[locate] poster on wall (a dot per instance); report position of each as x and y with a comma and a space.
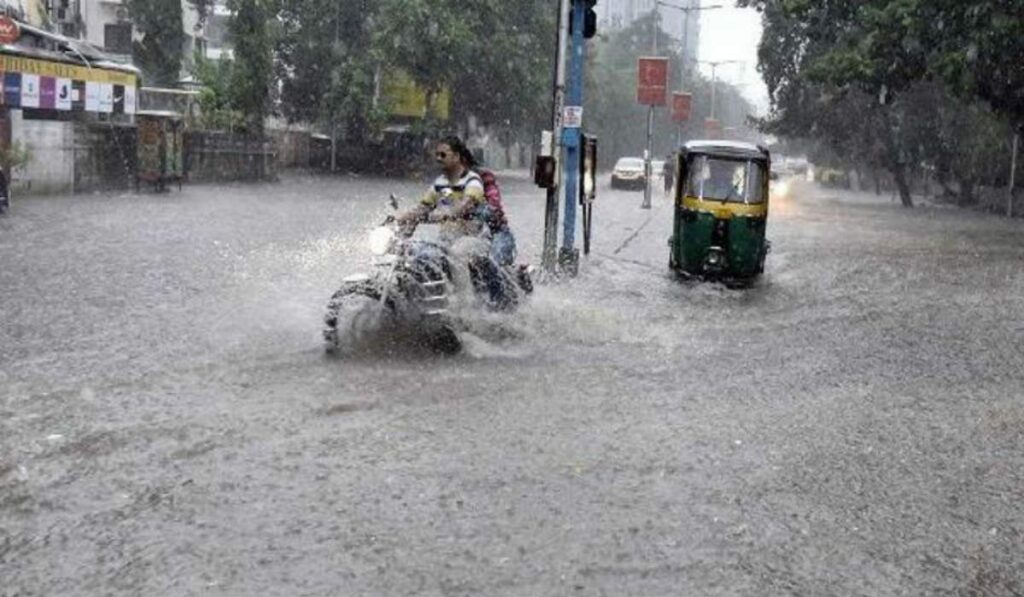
106, 98
47, 93
129, 100
63, 94
92, 96
78, 95
50, 84
29, 91
12, 89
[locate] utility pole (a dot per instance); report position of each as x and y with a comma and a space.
568, 256
1013, 175
577, 22
548, 255
714, 79
648, 171
684, 56
686, 29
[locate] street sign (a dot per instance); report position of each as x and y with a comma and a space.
572, 117
652, 81
9, 30
712, 128
681, 106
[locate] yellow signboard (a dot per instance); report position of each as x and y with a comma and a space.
404, 97
59, 70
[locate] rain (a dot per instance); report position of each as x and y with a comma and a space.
252, 342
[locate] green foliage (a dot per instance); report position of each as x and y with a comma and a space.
326, 66
897, 83
495, 57
976, 48
15, 157
158, 53
217, 99
252, 38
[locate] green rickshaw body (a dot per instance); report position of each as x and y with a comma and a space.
721, 210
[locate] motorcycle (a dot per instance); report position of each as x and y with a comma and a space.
419, 281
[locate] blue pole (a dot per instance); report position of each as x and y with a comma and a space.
571, 136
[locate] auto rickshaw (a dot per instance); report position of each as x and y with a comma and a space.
721, 208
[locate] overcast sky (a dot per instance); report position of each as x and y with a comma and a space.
733, 34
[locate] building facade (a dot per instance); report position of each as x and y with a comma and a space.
55, 91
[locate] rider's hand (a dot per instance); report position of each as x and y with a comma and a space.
439, 215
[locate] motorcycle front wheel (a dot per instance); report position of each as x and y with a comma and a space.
352, 318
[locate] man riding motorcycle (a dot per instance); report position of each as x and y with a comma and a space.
457, 201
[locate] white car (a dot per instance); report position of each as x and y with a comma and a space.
629, 172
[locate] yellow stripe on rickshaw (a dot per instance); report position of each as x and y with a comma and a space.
725, 209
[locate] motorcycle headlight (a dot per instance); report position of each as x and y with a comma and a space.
381, 239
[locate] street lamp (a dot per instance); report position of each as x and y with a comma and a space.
714, 80
686, 27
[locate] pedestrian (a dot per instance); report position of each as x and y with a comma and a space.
668, 172
5, 200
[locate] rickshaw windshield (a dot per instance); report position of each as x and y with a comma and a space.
724, 179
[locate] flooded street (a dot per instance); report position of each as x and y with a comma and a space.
169, 423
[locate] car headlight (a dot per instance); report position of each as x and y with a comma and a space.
381, 239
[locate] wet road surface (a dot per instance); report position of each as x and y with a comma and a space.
852, 425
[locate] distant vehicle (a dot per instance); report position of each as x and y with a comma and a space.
628, 173
780, 186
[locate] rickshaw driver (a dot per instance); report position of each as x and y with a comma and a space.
723, 180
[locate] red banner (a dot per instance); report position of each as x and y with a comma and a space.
681, 106
652, 81
712, 128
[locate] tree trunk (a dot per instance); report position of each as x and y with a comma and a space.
966, 196
899, 175
895, 163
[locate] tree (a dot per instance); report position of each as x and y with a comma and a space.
813, 55
508, 80
217, 98
976, 49
326, 65
159, 52
252, 74
495, 59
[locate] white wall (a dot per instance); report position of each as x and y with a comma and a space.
52, 166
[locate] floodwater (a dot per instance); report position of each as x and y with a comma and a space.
169, 424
